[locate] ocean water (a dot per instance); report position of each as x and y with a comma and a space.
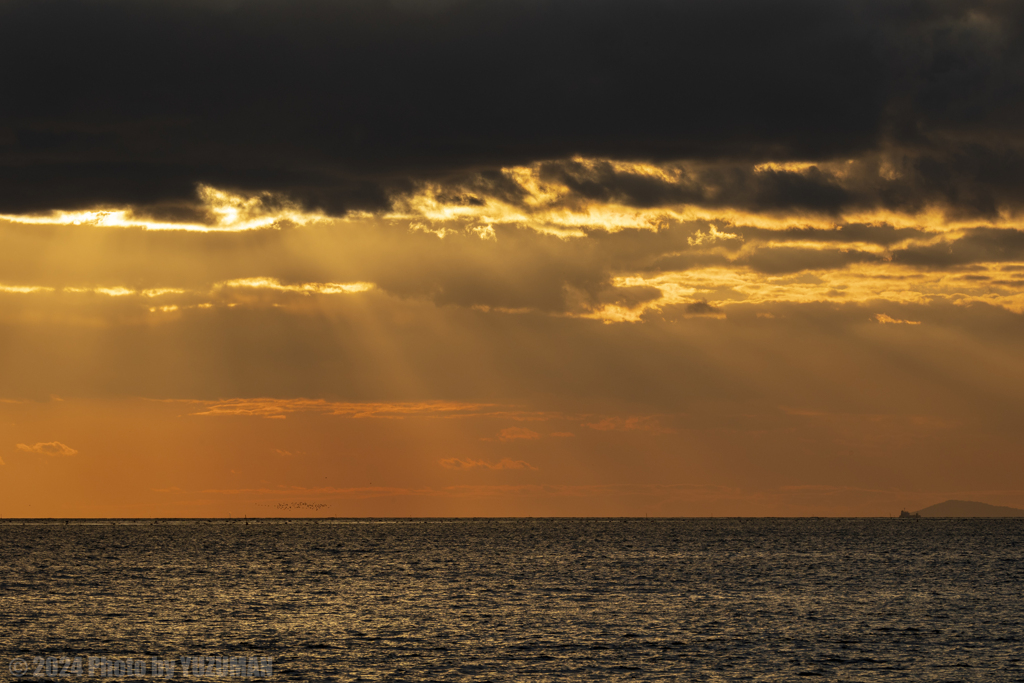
521, 599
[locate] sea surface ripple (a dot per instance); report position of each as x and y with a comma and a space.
527, 599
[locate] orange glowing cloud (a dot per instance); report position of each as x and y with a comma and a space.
517, 433
53, 448
225, 212
629, 424
887, 320
279, 408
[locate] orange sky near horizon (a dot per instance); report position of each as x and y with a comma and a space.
579, 360
145, 458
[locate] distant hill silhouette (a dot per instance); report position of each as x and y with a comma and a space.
966, 508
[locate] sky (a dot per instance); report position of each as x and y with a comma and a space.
510, 257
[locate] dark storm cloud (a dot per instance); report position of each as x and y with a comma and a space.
342, 104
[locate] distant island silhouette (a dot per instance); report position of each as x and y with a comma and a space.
966, 508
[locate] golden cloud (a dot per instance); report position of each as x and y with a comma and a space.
270, 283
275, 407
225, 211
52, 448
887, 320
630, 424
517, 433
547, 200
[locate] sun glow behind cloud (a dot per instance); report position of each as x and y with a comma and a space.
858, 283
586, 197
304, 288
695, 268
550, 204
227, 212
583, 195
197, 298
388, 295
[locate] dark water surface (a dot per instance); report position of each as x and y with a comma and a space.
533, 599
